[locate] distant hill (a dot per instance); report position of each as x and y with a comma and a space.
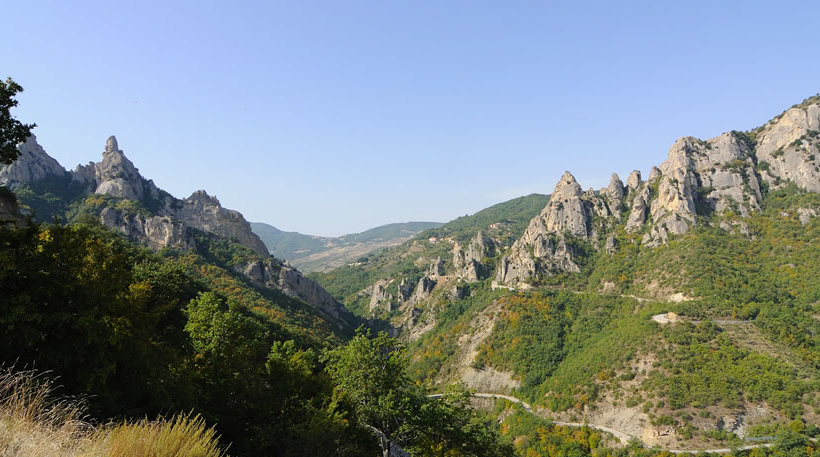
318, 253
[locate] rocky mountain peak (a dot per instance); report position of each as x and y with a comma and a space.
634, 180
543, 247
111, 144
32, 165
202, 197
117, 176
567, 187
204, 212
565, 211
616, 187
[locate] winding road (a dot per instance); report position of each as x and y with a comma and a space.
624, 437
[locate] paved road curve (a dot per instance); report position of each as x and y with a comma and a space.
623, 436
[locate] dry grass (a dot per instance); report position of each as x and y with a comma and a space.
35, 424
182, 436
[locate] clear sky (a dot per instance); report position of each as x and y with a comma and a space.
330, 117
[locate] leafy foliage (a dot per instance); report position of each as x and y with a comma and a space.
12, 131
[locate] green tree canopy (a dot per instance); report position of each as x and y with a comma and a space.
370, 377
12, 131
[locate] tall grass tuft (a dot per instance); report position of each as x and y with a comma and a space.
35, 423
182, 436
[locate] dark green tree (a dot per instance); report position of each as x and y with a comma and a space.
370, 378
12, 131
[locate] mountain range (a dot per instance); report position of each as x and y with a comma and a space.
680, 308
321, 253
113, 193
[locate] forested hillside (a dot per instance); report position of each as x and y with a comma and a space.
683, 310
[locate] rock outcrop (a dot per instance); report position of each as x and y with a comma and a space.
291, 281
155, 232
634, 180
436, 269
204, 212
700, 177
789, 146
117, 176
614, 194
423, 289
379, 296
468, 262
543, 247
279, 275
654, 173
32, 165
639, 210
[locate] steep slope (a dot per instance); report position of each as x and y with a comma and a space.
723, 234
317, 253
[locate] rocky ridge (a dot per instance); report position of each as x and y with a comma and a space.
116, 176
162, 221
723, 176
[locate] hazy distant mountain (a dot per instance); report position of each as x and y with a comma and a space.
319, 253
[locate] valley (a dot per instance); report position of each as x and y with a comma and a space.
553, 303
676, 314
317, 253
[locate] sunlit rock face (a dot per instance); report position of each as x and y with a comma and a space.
790, 148
32, 165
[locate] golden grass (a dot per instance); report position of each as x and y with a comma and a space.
182, 436
35, 424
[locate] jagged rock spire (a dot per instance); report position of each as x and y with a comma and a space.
565, 211
634, 180
111, 144
616, 187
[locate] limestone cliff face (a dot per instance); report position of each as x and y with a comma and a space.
719, 174
32, 165
203, 212
543, 247
279, 275
155, 232
790, 148
468, 262
379, 296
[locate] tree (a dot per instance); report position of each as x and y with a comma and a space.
12, 131
370, 376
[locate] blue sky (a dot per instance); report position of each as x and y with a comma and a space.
330, 117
